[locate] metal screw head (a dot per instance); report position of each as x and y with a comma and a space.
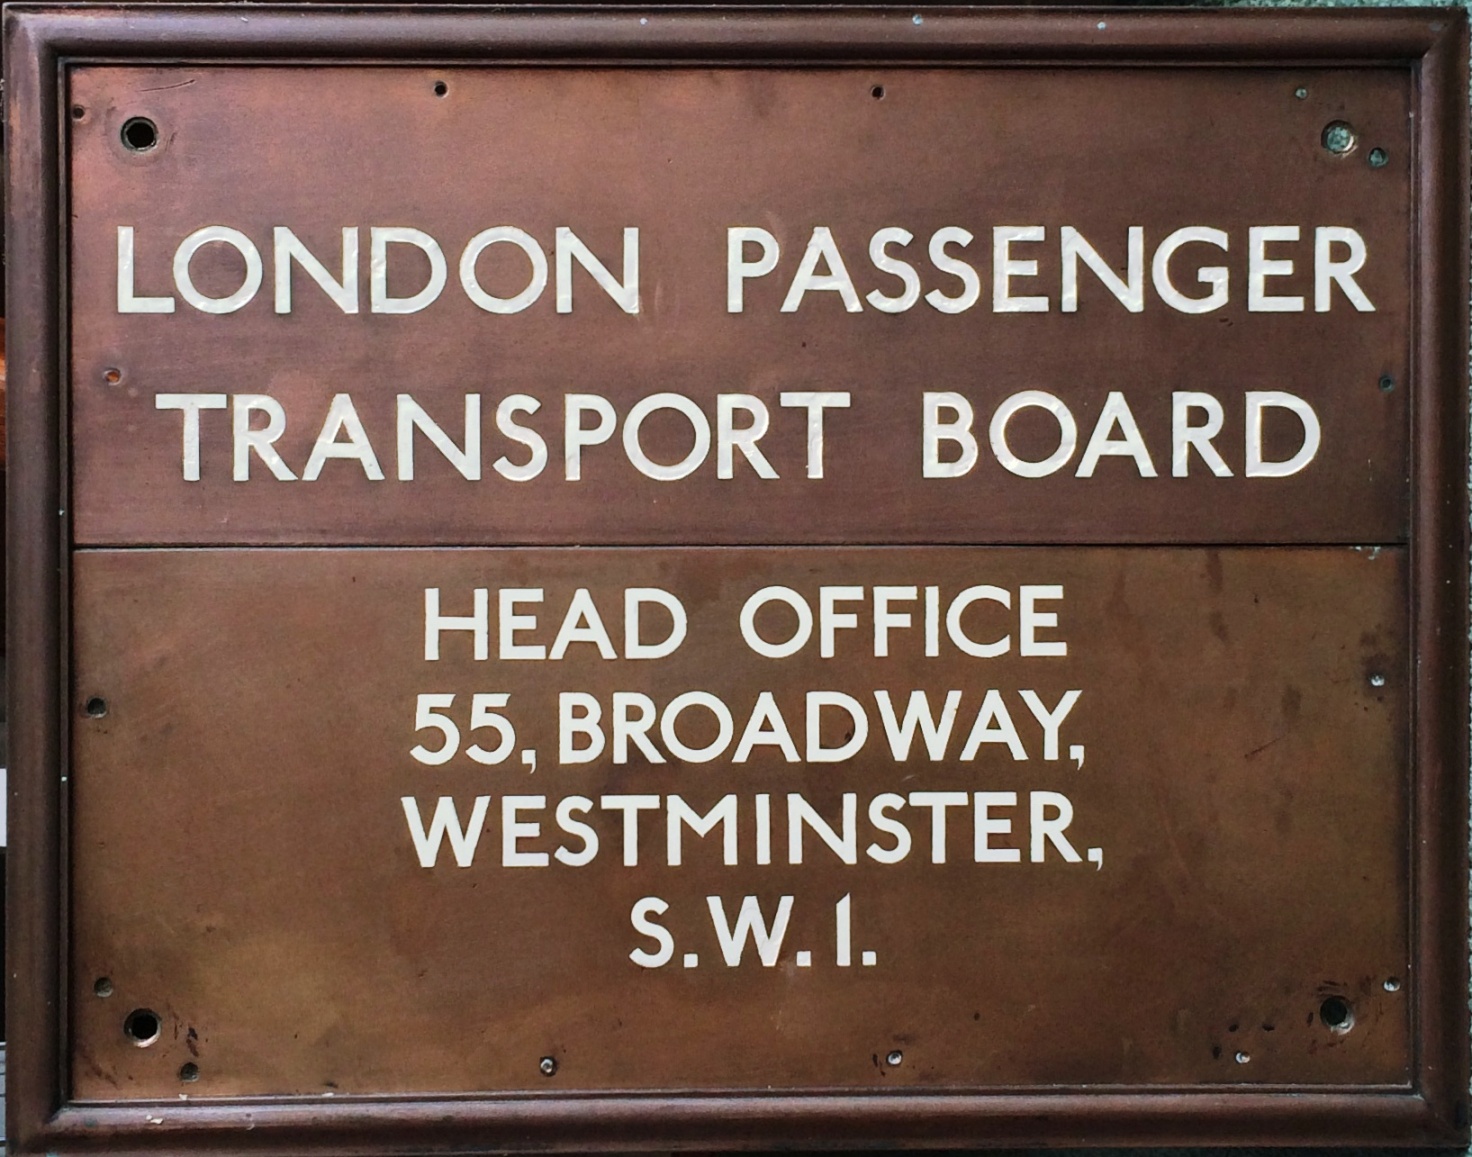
103, 987
1300, 93
1339, 138
895, 1057
1377, 680
1392, 984
1243, 1058
1387, 383
547, 1066
1379, 158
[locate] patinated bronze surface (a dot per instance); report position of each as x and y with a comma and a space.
1045, 712
682, 155
1242, 775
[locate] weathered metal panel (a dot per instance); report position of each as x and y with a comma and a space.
1236, 763
682, 155
232, 916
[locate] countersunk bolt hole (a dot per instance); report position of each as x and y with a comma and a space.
139, 134
78, 112
102, 986
1336, 1014
547, 1066
441, 88
1392, 984
1301, 93
1379, 158
96, 707
188, 1071
1339, 138
142, 1027
1377, 680
895, 1058
1387, 383
877, 92
1243, 1058
112, 376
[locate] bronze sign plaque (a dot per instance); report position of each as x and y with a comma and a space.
736, 579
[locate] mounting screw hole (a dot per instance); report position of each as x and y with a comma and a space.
1387, 383
95, 707
188, 1071
441, 88
112, 376
895, 1058
142, 1026
1243, 1058
1336, 1014
1339, 138
78, 112
1379, 158
877, 92
139, 134
1392, 984
1377, 680
1301, 93
547, 1066
102, 986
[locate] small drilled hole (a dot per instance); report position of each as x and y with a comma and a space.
441, 88
78, 112
102, 986
189, 1071
1392, 984
1387, 383
139, 134
142, 1027
1339, 138
112, 376
877, 92
1379, 158
1336, 1014
96, 707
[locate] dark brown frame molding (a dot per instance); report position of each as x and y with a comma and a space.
41, 42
